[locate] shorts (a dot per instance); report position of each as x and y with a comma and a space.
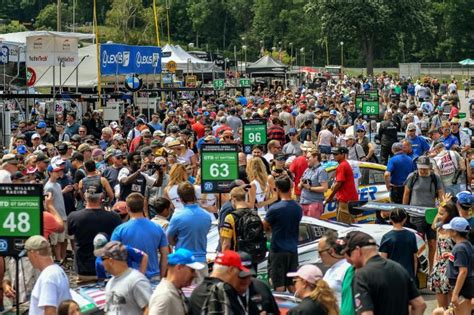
326, 149
467, 290
280, 264
422, 227
55, 238
314, 210
342, 214
396, 194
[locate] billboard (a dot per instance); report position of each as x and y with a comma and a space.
126, 59
51, 51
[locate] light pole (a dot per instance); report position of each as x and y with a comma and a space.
190, 45
279, 50
291, 54
304, 55
244, 48
312, 58
342, 53
261, 48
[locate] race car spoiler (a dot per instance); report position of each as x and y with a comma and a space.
358, 207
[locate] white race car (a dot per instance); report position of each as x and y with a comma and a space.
311, 230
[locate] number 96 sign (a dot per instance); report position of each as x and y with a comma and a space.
219, 167
254, 133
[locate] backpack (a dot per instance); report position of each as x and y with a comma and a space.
250, 235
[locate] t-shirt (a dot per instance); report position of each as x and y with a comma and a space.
167, 299
190, 227
299, 165
384, 287
334, 276
85, 225
423, 190
348, 190
144, 235
51, 288
200, 294
308, 306
461, 256
58, 200
49, 224
284, 218
316, 175
399, 166
400, 245
128, 293
347, 303
419, 145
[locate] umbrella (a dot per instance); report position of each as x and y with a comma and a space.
467, 62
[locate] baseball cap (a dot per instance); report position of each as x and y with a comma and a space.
292, 131
62, 148
357, 239
10, 159
21, 149
41, 125
117, 137
100, 240
36, 242
333, 112
303, 107
158, 133
246, 262
280, 157
465, 198
35, 136
76, 138
458, 224
17, 175
411, 126
97, 152
230, 258
146, 151
146, 133
423, 162
84, 147
308, 146
455, 120
113, 125
57, 164
139, 121
309, 273
156, 144
114, 250
339, 150
361, 127
183, 256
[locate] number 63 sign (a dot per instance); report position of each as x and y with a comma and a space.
21, 216
219, 167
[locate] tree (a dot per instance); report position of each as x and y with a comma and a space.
372, 25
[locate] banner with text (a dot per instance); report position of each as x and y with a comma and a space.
51, 51
125, 59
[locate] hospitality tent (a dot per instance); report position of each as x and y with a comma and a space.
184, 61
266, 66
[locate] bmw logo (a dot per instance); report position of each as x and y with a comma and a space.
133, 83
3, 246
208, 186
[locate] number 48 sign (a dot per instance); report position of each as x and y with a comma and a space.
219, 167
21, 216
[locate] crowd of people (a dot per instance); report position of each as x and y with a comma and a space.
123, 202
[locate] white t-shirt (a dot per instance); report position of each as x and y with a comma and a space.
5, 177
334, 277
51, 288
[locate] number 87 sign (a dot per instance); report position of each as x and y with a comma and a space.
219, 167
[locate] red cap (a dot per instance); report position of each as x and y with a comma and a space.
303, 107
231, 259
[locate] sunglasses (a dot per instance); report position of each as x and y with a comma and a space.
360, 131
104, 258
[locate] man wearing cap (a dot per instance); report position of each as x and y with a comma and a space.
84, 225
422, 188
86, 150
380, 286
8, 166
128, 291
35, 141
294, 146
398, 169
56, 171
344, 188
447, 138
418, 143
46, 137
218, 292
313, 185
464, 202
388, 136
168, 297
449, 165
111, 173
136, 131
62, 135
52, 286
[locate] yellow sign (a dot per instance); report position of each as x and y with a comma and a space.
171, 66
191, 81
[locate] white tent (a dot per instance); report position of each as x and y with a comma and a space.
184, 61
86, 74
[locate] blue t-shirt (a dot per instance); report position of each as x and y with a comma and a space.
146, 236
284, 218
399, 166
449, 141
156, 126
190, 227
400, 245
419, 145
133, 255
461, 256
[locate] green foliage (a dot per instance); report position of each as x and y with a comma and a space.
12, 28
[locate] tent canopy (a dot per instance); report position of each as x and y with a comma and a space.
267, 65
467, 62
20, 37
184, 61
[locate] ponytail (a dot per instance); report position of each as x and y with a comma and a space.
323, 294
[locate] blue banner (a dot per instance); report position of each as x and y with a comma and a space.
126, 59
